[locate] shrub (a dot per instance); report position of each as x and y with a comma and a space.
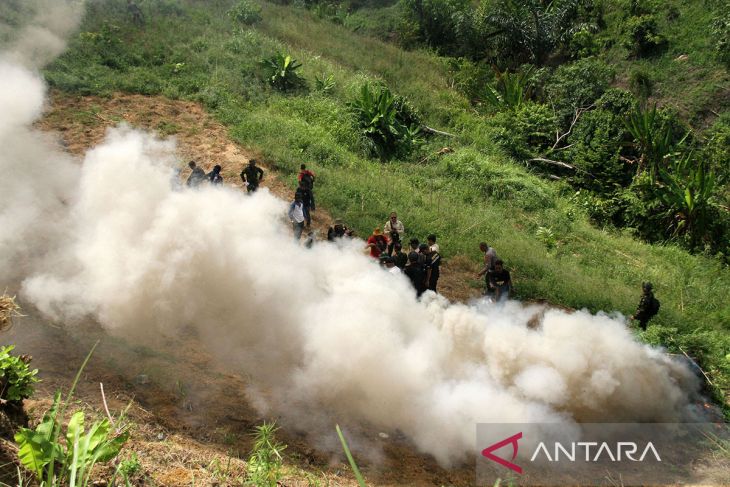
387, 120
510, 90
265, 463
245, 12
721, 33
641, 83
641, 36
16, 377
527, 131
577, 85
596, 144
281, 70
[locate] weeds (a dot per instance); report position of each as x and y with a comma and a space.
16, 377
282, 72
353, 465
265, 463
56, 462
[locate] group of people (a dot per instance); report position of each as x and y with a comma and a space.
421, 263
251, 175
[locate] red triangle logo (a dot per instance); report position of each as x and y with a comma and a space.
487, 452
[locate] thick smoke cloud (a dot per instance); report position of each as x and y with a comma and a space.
323, 333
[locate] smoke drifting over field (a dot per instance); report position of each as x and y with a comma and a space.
324, 334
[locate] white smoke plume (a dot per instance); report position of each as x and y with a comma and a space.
324, 334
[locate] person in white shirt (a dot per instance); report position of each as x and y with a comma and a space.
296, 215
393, 231
390, 265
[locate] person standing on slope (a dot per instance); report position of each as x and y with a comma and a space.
296, 216
196, 177
648, 306
307, 177
393, 230
490, 257
252, 176
214, 176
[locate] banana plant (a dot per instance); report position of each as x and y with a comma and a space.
688, 192
282, 71
510, 90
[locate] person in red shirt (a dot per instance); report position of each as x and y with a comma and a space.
306, 177
377, 243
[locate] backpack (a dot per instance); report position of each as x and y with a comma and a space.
654, 306
308, 179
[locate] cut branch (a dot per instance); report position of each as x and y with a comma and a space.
578, 113
554, 163
428, 129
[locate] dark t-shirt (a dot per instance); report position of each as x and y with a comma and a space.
196, 177
253, 175
417, 276
499, 279
401, 259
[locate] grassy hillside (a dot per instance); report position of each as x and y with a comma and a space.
195, 50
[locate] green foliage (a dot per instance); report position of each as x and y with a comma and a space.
654, 139
245, 12
510, 90
130, 467
641, 35
281, 70
547, 237
16, 376
55, 462
577, 85
527, 131
387, 120
325, 84
446, 25
584, 44
721, 32
688, 193
641, 83
265, 463
528, 31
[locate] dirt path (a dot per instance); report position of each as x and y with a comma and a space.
191, 416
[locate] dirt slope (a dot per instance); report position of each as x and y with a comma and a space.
192, 421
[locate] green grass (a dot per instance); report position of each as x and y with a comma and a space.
476, 193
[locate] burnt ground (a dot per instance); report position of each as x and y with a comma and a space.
190, 417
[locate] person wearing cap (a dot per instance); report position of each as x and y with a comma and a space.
648, 306
196, 177
376, 243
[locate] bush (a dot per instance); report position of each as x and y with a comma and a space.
641, 36
16, 377
596, 145
527, 131
721, 33
245, 12
390, 122
641, 83
577, 85
281, 71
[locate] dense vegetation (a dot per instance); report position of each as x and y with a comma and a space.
582, 130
